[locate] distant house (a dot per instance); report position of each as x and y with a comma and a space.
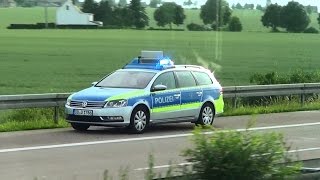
69, 14
7, 3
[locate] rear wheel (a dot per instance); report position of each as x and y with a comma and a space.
206, 115
139, 119
80, 127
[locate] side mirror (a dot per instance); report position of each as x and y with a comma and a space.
159, 87
94, 83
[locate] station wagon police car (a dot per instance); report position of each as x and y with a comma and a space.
150, 89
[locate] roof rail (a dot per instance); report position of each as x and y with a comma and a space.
189, 66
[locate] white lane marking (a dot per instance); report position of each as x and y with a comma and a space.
303, 150
189, 163
164, 166
143, 138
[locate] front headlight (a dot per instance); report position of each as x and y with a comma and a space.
116, 103
68, 102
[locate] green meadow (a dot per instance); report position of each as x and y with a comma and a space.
39, 61
43, 61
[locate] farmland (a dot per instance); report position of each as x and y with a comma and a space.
37, 61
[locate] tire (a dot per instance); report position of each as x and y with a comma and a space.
206, 116
139, 120
80, 127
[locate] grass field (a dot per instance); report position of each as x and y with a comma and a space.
37, 61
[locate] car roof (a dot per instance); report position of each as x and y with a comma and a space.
176, 67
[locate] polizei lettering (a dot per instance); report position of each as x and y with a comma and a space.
162, 100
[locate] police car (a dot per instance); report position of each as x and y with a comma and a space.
150, 89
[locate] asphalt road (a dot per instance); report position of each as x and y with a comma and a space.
66, 154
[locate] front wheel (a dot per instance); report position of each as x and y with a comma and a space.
80, 127
206, 115
139, 120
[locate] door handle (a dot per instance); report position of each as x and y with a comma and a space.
199, 93
177, 95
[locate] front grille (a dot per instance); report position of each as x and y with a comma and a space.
87, 104
91, 119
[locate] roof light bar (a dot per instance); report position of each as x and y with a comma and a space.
150, 60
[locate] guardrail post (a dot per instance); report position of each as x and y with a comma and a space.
303, 96
56, 114
302, 99
235, 102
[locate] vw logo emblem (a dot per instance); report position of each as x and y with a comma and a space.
84, 104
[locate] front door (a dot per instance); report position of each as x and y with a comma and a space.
166, 104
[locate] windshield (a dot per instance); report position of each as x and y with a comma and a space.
127, 79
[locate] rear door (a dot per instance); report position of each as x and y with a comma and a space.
191, 94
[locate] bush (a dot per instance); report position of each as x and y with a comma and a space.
31, 26
297, 76
235, 24
197, 27
164, 29
239, 155
311, 30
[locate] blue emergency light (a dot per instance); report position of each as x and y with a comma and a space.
150, 60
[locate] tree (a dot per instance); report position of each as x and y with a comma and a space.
154, 3
139, 16
319, 19
187, 3
89, 6
235, 24
249, 6
259, 7
238, 6
120, 17
123, 3
112, 3
169, 13
19, 2
271, 17
215, 11
75, 2
294, 17
309, 9
104, 13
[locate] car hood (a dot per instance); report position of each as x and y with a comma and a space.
102, 94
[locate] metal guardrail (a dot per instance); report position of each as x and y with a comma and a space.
234, 92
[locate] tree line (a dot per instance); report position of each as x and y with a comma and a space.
215, 14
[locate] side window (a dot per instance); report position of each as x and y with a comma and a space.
202, 78
185, 79
166, 79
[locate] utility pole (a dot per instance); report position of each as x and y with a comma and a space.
46, 3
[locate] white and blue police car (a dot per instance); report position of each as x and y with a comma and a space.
150, 89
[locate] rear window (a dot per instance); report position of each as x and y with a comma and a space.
185, 79
202, 78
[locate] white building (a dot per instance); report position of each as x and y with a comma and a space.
69, 14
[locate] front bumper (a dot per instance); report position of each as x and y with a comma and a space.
101, 117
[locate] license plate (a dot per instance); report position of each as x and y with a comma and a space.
81, 112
